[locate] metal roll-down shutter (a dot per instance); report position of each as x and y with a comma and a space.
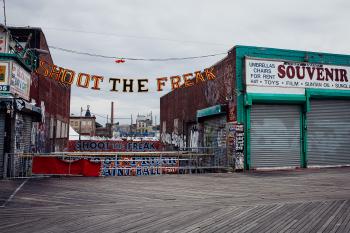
328, 125
214, 139
27, 132
2, 136
275, 136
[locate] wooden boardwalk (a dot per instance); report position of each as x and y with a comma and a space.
280, 201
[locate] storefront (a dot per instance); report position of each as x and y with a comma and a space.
213, 139
17, 113
295, 107
283, 109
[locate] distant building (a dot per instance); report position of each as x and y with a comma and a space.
121, 130
84, 125
144, 123
104, 131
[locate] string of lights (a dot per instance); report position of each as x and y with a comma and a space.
132, 58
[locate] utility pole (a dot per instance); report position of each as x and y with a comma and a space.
112, 119
81, 113
131, 126
4, 12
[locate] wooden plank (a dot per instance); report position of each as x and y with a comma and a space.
278, 201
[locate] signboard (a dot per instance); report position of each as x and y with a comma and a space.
4, 88
4, 73
84, 80
3, 43
113, 146
286, 74
20, 81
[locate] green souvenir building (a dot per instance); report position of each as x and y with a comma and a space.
294, 108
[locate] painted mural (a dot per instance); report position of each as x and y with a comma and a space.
139, 166
106, 166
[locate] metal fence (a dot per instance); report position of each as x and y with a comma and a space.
191, 160
18, 165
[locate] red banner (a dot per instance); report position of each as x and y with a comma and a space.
55, 166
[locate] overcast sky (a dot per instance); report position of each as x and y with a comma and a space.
172, 28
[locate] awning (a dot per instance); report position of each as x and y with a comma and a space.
211, 111
21, 105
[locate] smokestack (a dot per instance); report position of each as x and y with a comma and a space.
112, 119
112, 112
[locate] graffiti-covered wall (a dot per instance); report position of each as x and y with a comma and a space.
52, 97
139, 166
22, 133
178, 109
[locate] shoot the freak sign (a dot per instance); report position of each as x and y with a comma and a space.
84, 80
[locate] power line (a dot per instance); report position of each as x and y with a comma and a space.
132, 58
132, 36
105, 116
127, 36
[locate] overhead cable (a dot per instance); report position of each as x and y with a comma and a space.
133, 58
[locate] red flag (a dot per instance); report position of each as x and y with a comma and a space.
119, 61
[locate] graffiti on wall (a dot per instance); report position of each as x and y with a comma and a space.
228, 79
231, 95
212, 93
230, 142
139, 166
215, 132
177, 140
94, 145
19, 134
39, 130
194, 137
38, 137
239, 147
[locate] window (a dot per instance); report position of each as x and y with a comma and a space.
58, 128
51, 127
63, 130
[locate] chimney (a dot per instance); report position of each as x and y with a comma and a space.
112, 112
112, 119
